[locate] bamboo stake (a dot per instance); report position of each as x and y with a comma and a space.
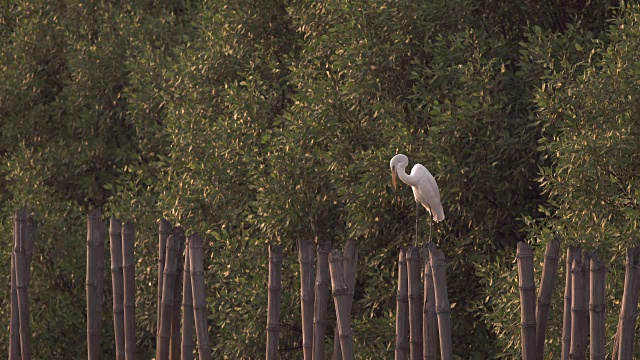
586, 274
527, 300
321, 300
578, 312
196, 254
129, 277
415, 303
174, 344
117, 284
14, 327
305, 258
443, 308
23, 228
186, 352
547, 283
92, 292
100, 271
572, 253
597, 309
350, 262
163, 233
340, 298
402, 310
429, 319
273, 306
629, 310
168, 284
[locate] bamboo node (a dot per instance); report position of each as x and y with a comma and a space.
528, 325
338, 292
414, 296
402, 297
579, 310
596, 307
542, 302
402, 346
345, 336
321, 283
319, 322
305, 260
415, 341
443, 309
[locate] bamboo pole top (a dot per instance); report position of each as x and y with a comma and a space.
128, 228
275, 253
195, 240
165, 227
115, 225
524, 250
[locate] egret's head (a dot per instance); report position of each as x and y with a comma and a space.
399, 160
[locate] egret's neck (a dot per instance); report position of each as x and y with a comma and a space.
406, 178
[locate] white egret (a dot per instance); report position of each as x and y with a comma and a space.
424, 186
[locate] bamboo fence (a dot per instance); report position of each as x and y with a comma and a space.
422, 313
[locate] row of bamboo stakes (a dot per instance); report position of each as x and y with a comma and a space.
332, 267
175, 280
584, 317
422, 305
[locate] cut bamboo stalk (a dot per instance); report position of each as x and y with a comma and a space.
527, 300
22, 285
273, 302
578, 312
196, 255
14, 326
163, 233
572, 253
429, 318
100, 271
92, 292
586, 274
186, 352
415, 303
547, 283
350, 259
168, 284
305, 258
174, 344
321, 300
443, 308
340, 298
402, 310
129, 277
117, 284
24, 232
629, 310
597, 309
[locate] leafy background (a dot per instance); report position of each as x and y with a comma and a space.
269, 121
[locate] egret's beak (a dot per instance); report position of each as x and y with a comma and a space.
393, 176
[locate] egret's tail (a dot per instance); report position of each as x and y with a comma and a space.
437, 213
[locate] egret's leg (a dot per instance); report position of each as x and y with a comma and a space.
430, 221
416, 223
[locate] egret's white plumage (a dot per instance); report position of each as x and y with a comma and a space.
424, 186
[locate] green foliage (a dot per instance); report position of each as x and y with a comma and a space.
272, 120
